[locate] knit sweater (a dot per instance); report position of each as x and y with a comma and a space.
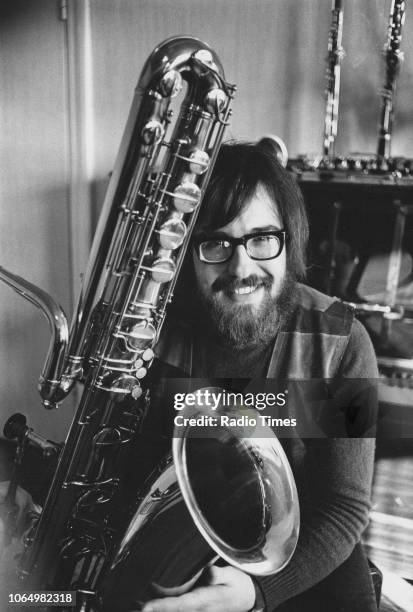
333, 476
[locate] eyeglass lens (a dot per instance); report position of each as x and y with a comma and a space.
263, 247
258, 247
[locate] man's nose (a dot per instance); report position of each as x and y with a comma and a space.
240, 264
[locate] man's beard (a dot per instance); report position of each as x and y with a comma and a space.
243, 325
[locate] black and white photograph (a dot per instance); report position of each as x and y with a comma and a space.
206, 305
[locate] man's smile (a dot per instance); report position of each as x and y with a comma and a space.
245, 294
243, 290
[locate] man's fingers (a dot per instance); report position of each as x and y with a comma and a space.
226, 589
205, 599
219, 575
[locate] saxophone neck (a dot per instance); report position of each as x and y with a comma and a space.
52, 378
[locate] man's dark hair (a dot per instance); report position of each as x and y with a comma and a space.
239, 169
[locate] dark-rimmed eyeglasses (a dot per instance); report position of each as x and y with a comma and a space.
260, 246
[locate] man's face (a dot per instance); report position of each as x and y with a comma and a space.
244, 291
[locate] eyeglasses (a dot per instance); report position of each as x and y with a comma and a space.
260, 246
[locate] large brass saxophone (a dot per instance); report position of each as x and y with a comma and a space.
84, 541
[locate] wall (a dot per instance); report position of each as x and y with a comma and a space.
66, 87
34, 211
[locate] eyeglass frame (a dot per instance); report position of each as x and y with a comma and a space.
234, 242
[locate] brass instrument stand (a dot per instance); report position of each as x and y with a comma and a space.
394, 267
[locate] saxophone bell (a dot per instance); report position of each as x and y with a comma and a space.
226, 492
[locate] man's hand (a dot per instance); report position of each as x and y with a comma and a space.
226, 590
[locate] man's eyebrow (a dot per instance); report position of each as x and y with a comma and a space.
266, 228
216, 234
211, 235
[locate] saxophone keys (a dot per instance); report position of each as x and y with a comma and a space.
205, 58
136, 392
186, 196
172, 233
171, 84
163, 270
144, 361
140, 336
138, 364
148, 354
199, 161
141, 373
123, 385
152, 132
215, 101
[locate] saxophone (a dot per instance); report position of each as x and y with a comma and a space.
84, 540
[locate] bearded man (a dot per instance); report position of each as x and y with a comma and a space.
241, 313
244, 314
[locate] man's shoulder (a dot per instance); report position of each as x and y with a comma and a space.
315, 311
309, 298
322, 339
359, 360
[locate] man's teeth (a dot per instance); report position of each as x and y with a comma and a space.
244, 290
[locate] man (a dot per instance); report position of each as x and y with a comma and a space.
251, 318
